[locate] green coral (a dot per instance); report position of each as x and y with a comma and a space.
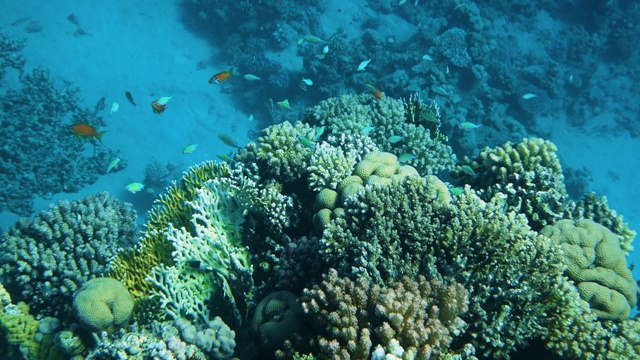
597, 264
45, 260
102, 304
350, 114
528, 173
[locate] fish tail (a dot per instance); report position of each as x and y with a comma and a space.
99, 135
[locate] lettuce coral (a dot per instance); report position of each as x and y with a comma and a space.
44, 261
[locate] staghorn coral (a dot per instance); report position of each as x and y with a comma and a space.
37, 157
413, 319
528, 174
350, 114
44, 261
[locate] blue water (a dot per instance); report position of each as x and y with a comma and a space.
563, 71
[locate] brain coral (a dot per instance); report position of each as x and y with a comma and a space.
598, 266
102, 304
44, 261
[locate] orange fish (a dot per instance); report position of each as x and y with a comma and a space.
158, 108
374, 90
84, 130
221, 76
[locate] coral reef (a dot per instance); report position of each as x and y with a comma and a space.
452, 44
45, 261
37, 157
11, 54
407, 319
596, 263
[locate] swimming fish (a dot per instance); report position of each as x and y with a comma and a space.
468, 126
406, 157
99, 105
427, 57
250, 117
456, 191
114, 107
528, 96
306, 142
164, 100
160, 105
319, 132
441, 91
251, 77
311, 39
363, 65
307, 82
134, 187
395, 138
468, 170
221, 76
189, 149
225, 157
228, 140
367, 129
374, 90
130, 98
430, 117
84, 130
113, 164
284, 104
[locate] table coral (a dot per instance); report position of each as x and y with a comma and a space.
44, 261
597, 264
410, 318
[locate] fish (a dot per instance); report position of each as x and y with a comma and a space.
363, 65
189, 149
319, 132
367, 129
99, 105
456, 191
468, 170
306, 142
310, 39
134, 187
325, 50
228, 140
113, 164
250, 117
427, 57
441, 91
221, 76
284, 104
84, 130
157, 107
528, 96
374, 90
395, 138
164, 100
430, 117
225, 157
251, 77
468, 126
130, 98
406, 157
307, 82
402, 2
114, 107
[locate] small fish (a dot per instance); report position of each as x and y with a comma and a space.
441, 91
164, 100
430, 117
406, 157
311, 39
130, 98
114, 107
225, 157
113, 164
221, 76
325, 50
363, 65
307, 82
402, 2
228, 140
99, 105
367, 129
456, 191
427, 57
189, 149
468, 126
284, 104
319, 132
251, 77
250, 117
134, 187
395, 139
157, 107
84, 130
374, 90
306, 142
468, 170
528, 96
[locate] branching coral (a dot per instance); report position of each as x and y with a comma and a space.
408, 319
44, 261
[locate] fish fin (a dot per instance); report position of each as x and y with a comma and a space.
99, 135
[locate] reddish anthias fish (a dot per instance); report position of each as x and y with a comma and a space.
84, 130
221, 76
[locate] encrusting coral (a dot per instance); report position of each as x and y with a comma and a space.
44, 261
